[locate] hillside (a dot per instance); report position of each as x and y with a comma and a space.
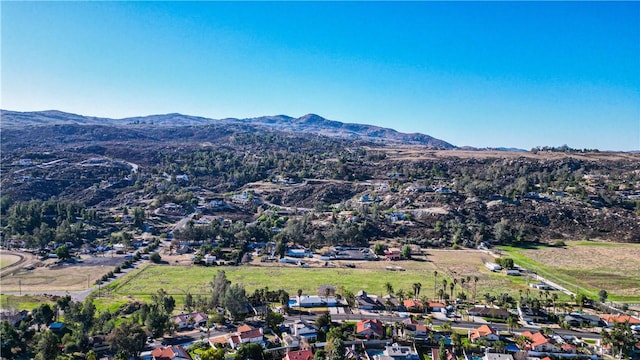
308, 188
310, 123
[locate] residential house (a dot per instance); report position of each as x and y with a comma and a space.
489, 312
298, 355
370, 328
309, 301
175, 352
391, 302
244, 335
539, 342
436, 306
419, 330
397, 352
569, 348
303, 329
413, 305
365, 301
497, 356
189, 321
612, 319
484, 332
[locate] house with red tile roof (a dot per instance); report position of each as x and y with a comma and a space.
244, 335
175, 352
539, 342
413, 305
299, 355
370, 328
485, 332
612, 319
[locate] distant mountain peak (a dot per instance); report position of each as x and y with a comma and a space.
309, 124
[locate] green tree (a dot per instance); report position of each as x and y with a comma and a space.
212, 354
235, 301
11, 345
250, 351
378, 248
603, 295
406, 252
335, 349
62, 252
274, 319
621, 339
128, 338
42, 315
47, 347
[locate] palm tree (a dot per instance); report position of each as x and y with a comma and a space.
435, 280
512, 322
416, 290
475, 282
389, 288
452, 286
444, 284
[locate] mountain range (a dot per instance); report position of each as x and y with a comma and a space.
310, 123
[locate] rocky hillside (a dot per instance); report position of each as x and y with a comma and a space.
308, 124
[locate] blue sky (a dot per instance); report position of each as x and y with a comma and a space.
485, 74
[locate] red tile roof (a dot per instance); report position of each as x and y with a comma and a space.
610, 319
375, 325
482, 331
299, 355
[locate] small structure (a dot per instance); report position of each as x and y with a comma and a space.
492, 266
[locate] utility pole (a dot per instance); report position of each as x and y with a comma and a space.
20, 286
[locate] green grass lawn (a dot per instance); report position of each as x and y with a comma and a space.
178, 280
24, 302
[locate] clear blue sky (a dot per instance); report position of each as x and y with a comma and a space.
518, 74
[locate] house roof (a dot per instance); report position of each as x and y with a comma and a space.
251, 334
412, 304
482, 331
170, 353
374, 325
299, 355
610, 319
436, 305
538, 339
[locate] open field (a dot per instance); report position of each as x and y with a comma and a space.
8, 259
587, 266
24, 302
368, 276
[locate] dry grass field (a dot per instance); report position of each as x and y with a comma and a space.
588, 266
61, 278
8, 259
